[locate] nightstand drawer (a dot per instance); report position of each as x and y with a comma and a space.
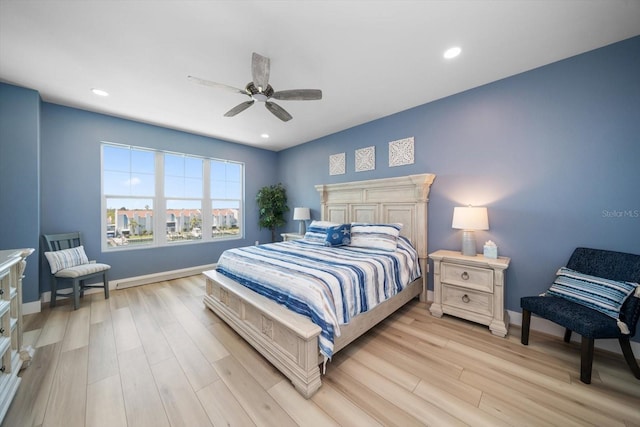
480, 279
468, 300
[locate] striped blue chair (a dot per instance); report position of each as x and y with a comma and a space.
589, 323
69, 264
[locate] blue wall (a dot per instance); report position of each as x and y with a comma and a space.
71, 191
63, 192
553, 153
19, 177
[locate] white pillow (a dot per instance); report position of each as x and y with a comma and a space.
375, 236
59, 260
317, 231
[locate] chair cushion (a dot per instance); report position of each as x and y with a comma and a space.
59, 260
82, 270
576, 317
604, 295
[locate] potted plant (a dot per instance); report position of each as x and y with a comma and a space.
272, 205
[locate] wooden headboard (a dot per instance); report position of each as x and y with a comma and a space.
389, 200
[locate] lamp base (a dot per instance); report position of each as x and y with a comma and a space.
468, 243
302, 228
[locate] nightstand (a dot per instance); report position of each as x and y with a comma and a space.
291, 236
470, 287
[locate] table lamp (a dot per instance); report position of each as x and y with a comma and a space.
301, 214
470, 219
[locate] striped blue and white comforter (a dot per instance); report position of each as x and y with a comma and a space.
330, 285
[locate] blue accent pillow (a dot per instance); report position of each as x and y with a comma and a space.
604, 295
339, 235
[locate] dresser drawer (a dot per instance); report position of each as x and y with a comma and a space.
480, 279
468, 300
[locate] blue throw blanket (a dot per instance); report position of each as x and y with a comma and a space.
330, 285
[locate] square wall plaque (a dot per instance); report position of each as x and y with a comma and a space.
366, 159
337, 164
401, 152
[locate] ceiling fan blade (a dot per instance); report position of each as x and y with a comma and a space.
298, 94
239, 108
216, 85
278, 111
260, 66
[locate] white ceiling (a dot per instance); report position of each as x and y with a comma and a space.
370, 58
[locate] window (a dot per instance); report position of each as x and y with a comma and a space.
226, 198
183, 192
155, 198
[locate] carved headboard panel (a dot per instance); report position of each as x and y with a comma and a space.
390, 200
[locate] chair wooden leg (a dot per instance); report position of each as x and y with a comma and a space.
567, 335
76, 294
106, 286
586, 360
625, 345
54, 290
526, 322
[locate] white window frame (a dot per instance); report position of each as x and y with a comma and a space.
159, 201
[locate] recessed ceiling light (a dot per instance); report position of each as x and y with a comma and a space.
265, 135
99, 92
452, 52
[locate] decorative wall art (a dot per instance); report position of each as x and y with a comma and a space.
401, 152
366, 159
337, 164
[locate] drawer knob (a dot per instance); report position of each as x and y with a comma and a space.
4, 368
1, 330
465, 275
465, 298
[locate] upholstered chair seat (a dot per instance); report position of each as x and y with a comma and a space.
578, 316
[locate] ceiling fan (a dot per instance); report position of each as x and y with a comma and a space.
260, 90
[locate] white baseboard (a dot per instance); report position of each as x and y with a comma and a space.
127, 283
31, 307
159, 277
543, 325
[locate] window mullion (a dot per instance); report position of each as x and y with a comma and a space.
207, 219
160, 219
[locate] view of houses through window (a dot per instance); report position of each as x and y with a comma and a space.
160, 198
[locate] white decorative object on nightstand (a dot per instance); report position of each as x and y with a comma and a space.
291, 236
470, 287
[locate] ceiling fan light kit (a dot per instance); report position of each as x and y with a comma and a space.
260, 90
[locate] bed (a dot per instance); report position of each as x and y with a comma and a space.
290, 341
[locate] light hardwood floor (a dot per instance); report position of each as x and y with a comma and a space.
154, 356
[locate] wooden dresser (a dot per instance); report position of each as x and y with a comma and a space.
12, 265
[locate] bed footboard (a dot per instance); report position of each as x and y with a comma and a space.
288, 340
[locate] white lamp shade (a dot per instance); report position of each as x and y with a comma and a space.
470, 218
301, 214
